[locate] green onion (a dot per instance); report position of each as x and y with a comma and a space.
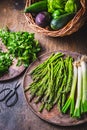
84, 76
71, 101
77, 111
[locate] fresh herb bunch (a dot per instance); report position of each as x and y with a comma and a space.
5, 62
21, 45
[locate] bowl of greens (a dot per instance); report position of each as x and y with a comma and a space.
56, 17
17, 51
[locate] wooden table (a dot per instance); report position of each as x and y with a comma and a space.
20, 117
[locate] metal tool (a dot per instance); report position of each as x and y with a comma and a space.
10, 93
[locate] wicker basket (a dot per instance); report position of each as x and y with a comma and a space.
72, 26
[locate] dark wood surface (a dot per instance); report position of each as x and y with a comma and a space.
20, 117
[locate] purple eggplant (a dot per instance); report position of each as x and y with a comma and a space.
42, 19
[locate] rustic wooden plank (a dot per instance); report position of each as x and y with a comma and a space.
20, 117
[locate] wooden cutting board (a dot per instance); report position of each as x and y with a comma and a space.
54, 116
14, 70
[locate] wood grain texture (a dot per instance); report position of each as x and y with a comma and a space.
20, 117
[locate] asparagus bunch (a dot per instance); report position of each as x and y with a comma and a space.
52, 81
60, 81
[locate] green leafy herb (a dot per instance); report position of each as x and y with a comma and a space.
5, 62
71, 6
56, 4
21, 45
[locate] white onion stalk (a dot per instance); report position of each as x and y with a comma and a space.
77, 111
71, 100
84, 77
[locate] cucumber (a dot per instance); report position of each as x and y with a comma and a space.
61, 21
36, 7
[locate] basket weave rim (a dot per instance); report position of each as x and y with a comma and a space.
67, 29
